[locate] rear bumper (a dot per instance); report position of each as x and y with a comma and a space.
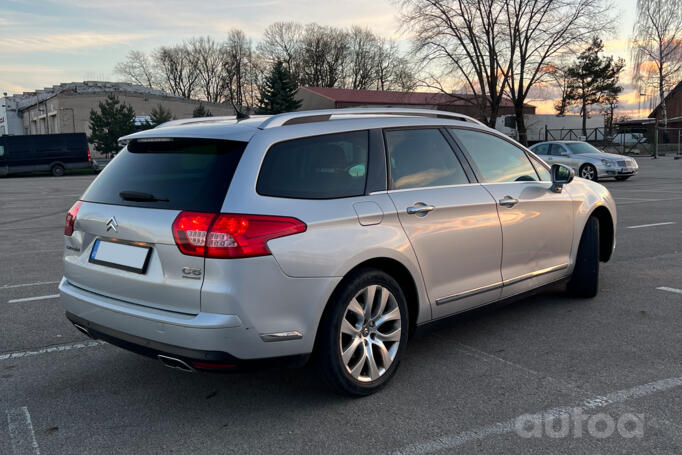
206, 335
196, 358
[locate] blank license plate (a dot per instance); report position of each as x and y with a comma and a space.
120, 256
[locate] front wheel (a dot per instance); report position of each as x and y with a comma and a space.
589, 172
585, 279
363, 334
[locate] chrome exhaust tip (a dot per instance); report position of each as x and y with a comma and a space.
83, 330
177, 364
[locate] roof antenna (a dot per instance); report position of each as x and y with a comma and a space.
240, 114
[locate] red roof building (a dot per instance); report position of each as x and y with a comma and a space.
336, 98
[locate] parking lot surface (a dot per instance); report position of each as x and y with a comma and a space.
491, 381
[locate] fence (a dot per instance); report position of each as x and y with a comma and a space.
668, 141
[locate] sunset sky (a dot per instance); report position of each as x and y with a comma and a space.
47, 42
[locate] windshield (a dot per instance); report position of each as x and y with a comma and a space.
579, 148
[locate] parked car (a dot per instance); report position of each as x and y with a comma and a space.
44, 152
221, 245
587, 161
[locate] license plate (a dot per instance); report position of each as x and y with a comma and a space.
120, 255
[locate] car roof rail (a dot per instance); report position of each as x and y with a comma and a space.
293, 118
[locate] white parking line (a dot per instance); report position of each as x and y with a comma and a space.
650, 225
48, 349
676, 291
449, 442
31, 299
38, 283
21, 433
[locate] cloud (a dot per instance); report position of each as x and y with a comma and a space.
66, 41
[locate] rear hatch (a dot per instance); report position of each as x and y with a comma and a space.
123, 246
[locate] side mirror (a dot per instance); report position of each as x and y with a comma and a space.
561, 175
563, 153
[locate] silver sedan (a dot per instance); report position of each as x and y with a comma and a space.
587, 161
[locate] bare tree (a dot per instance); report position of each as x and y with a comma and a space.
324, 52
178, 67
363, 51
657, 47
542, 30
210, 57
242, 71
464, 37
138, 68
282, 42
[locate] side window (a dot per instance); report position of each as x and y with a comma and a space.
422, 158
541, 169
542, 149
318, 167
555, 149
496, 159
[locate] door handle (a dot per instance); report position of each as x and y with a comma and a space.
508, 201
419, 209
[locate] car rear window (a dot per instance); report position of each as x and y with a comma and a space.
319, 167
181, 174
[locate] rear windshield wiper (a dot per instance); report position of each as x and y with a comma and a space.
136, 196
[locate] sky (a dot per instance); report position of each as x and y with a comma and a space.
46, 42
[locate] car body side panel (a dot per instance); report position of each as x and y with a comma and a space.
335, 241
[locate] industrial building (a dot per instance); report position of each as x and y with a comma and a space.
65, 108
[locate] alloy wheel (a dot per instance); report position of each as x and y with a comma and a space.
370, 333
588, 172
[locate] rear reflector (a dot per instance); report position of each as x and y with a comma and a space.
71, 218
230, 235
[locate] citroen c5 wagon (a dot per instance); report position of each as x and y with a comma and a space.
222, 243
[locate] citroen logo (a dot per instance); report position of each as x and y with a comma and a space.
112, 224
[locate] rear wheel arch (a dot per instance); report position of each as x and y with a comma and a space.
606, 232
398, 272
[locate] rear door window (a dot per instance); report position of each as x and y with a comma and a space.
319, 167
541, 149
422, 158
180, 174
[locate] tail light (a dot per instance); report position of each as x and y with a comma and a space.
230, 235
71, 218
89, 157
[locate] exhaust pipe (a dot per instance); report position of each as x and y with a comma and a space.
172, 362
84, 330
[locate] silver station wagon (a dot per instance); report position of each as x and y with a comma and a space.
223, 243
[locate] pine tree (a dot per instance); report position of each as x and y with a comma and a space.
277, 94
114, 120
201, 111
159, 115
593, 79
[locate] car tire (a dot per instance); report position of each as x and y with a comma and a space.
621, 178
589, 172
585, 279
57, 170
359, 351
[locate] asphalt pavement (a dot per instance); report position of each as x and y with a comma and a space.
546, 374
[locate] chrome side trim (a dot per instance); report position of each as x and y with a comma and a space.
465, 294
491, 287
527, 276
281, 336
